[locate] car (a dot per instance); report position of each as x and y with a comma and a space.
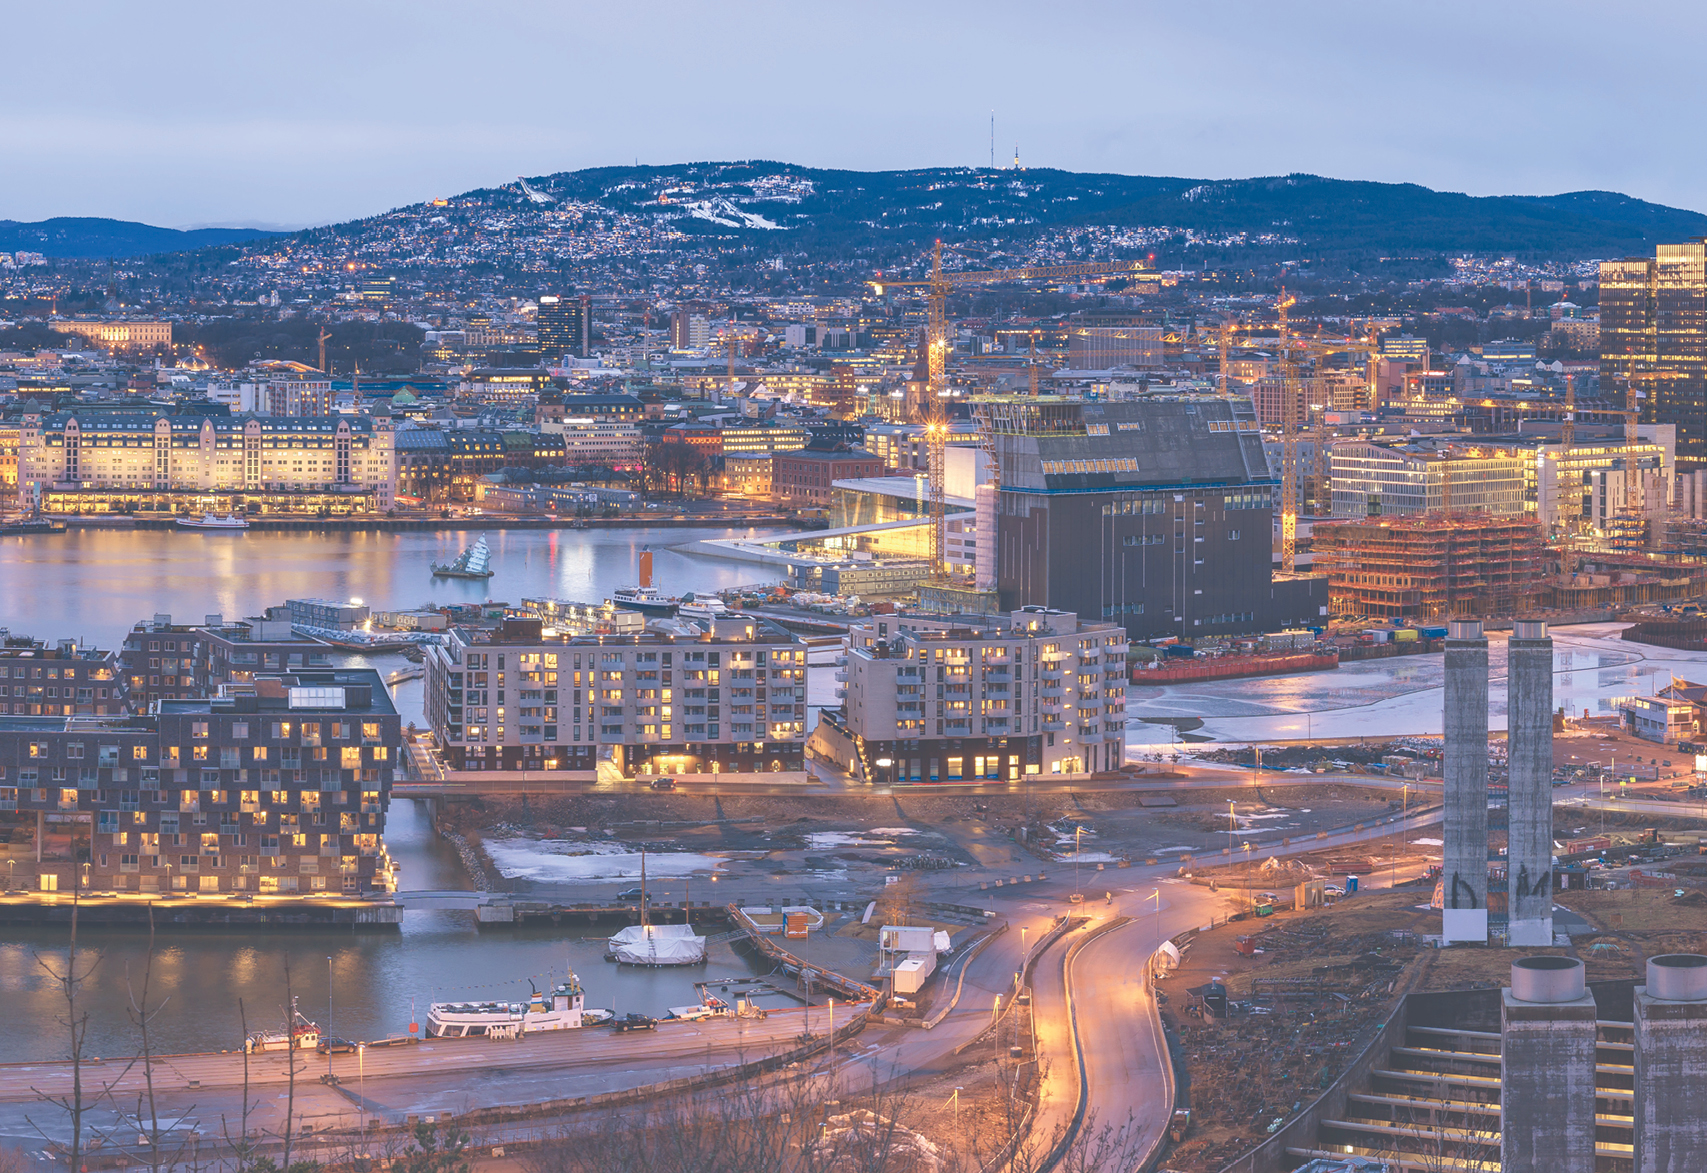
630, 894
1333, 890
336, 1046
663, 783
636, 1022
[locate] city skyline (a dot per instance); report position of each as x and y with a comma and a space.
361, 111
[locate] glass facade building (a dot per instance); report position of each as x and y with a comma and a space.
1653, 334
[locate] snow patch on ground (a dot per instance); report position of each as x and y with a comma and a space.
575, 862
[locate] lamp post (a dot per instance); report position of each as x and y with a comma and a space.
1078, 830
361, 1083
1157, 897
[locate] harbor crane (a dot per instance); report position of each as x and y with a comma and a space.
927, 407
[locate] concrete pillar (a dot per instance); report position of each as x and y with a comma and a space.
1529, 725
1465, 765
1671, 1062
1547, 1054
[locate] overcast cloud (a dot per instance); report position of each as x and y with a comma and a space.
305, 112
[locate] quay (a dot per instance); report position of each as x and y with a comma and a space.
368, 523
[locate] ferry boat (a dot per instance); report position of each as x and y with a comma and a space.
214, 521
647, 600
302, 1036
562, 1009
474, 562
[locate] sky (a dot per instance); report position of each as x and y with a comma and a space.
298, 112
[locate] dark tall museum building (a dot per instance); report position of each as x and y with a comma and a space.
1154, 513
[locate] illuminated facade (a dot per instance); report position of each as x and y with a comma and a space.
527, 697
153, 460
119, 335
1377, 480
1653, 334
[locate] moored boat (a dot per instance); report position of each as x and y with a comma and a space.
561, 1009
474, 562
215, 521
302, 1036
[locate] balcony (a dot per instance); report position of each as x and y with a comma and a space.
1052, 690
957, 725
998, 675
995, 724
1054, 726
1054, 707
1052, 674
841, 673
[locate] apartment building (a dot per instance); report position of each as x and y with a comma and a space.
162, 660
974, 697
275, 787
99, 461
65, 680
722, 696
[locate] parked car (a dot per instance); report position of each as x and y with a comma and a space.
663, 783
636, 1022
630, 894
336, 1046
1333, 890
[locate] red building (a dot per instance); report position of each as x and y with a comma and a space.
805, 477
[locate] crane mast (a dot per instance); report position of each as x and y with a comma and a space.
932, 412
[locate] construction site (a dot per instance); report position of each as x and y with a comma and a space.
1434, 566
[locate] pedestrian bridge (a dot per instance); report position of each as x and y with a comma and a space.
421, 901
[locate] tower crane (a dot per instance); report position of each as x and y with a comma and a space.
937, 286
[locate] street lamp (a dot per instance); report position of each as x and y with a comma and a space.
361, 1083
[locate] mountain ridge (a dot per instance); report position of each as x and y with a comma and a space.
100, 238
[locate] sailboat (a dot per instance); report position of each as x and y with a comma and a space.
474, 562
655, 945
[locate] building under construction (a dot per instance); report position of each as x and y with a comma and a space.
1433, 566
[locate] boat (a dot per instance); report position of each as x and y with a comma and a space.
657, 945
302, 1036
562, 1009
32, 525
647, 600
474, 562
701, 607
596, 1016
214, 521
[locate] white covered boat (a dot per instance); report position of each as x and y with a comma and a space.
561, 1009
657, 945
302, 1036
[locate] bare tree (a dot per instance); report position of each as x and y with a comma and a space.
70, 978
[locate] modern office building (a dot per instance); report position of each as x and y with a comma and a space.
724, 696
976, 697
278, 389
65, 680
588, 440
1155, 513
1402, 479
116, 461
277, 786
1653, 334
1101, 348
565, 326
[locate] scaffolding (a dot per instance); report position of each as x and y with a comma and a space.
1433, 566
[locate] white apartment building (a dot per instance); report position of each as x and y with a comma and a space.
976, 697
720, 696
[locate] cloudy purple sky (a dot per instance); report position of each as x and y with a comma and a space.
297, 112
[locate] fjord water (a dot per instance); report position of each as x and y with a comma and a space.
94, 584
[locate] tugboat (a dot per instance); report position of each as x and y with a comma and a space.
562, 1009
474, 562
303, 1035
214, 521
